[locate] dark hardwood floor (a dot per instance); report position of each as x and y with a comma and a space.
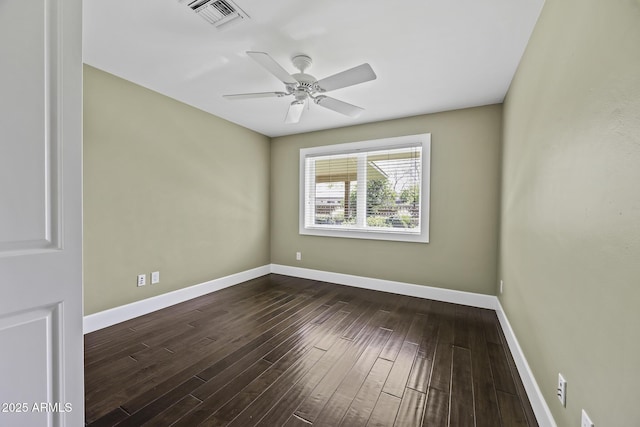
282, 351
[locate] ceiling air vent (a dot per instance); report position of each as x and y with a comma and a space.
216, 12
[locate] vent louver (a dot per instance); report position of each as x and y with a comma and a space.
216, 12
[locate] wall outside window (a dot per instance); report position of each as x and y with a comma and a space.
465, 176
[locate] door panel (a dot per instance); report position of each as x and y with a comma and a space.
33, 337
41, 365
29, 90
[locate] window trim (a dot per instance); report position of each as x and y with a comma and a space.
370, 145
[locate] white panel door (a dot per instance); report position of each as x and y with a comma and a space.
41, 356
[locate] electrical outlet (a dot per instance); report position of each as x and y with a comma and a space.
155, 277
298, 256
562, 390
501, 286
586, 421
142, 279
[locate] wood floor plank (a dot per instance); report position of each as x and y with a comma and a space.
146, 381
296, 421
356, 327
173, 413
363, 404
310, 331
271, 383
163, 331
397, 380
490, 327
411, 409
117, 388
400, 326
420, 373
461, 409
225, 373
429, 339
110, 419
224, 394
511, 410
486, 404
500, 369
95, 378
337, 305
138, 329
462, 326
345, 320
248, 306
280, 350
159, 405
194, 365
97, 406
385, 411
235, 294
106, 336
288, 380
258, 336
303, 388
259, 406
484, 392
298, 337
311, 407
341, 400
436, 413
292, 398
441, 374
115, 354
296, 349
166, 319
414, 334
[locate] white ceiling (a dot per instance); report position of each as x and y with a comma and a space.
429, 55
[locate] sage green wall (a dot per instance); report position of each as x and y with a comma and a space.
465, 176
167, 188
570, 245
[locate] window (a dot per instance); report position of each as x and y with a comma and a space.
375, 189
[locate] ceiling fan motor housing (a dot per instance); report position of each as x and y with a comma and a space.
306, 80
307, 85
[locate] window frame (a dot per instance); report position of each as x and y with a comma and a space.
423, 140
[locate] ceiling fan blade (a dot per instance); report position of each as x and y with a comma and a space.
273, 67
295, 111
255, 95
353, 76
338, 106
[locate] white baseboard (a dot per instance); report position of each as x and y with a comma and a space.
539, 405
409, 289
110, 317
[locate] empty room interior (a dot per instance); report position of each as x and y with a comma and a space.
239, 269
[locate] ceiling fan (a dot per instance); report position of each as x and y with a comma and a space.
305, 87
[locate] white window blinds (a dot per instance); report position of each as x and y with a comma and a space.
375, 188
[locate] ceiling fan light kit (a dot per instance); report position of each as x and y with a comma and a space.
303, 86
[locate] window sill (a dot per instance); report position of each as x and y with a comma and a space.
369, 234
